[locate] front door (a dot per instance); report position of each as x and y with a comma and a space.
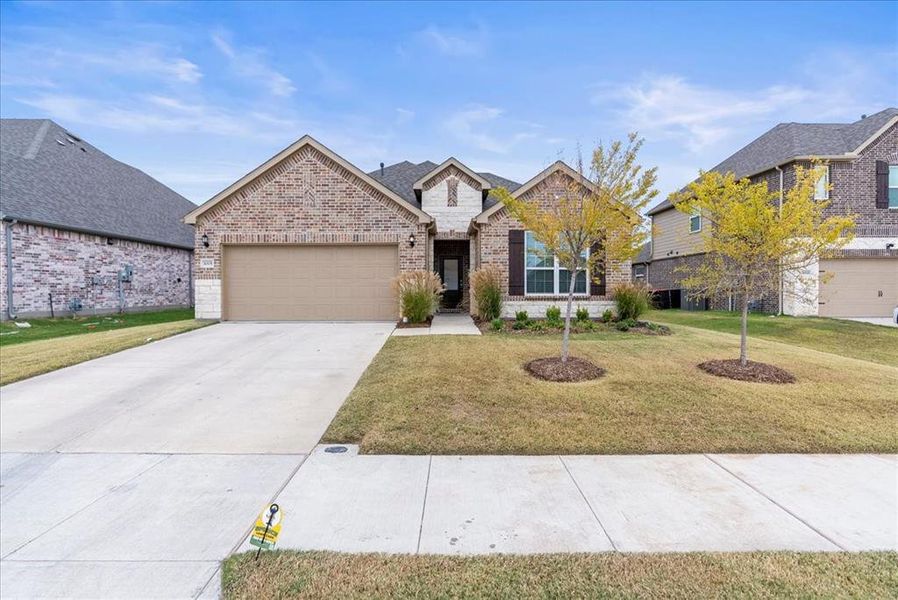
450, 273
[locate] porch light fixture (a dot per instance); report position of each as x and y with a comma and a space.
411, 240
205, 239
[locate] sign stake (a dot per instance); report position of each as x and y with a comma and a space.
272, 510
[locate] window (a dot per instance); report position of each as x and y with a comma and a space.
893, 186
695, 223
639, 271
821, 192
542, 273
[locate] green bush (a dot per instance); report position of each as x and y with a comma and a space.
497, 324
553, 316
632, 301
419, 294
487, 289
607, 316
582, 314
521, 316
626, 324
517, 325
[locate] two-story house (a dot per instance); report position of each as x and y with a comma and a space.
861, 179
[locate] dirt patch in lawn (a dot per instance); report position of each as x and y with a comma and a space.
756, 372
401, 325
575, 369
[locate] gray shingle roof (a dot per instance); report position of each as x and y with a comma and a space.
49, 176
402, 176
645, 254
787, 141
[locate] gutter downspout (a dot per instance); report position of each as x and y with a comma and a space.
7, 226
780, 210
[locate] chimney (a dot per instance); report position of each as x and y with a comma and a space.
381, 169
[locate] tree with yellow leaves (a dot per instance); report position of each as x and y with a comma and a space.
600, 207
753, 241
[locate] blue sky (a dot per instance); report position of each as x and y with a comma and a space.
197, 94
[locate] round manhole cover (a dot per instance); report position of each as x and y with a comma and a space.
335, 449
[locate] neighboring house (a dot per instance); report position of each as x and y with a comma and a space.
83, 232
308, 236
862, 278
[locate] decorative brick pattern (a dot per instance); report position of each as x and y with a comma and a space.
454, 172
452, 217
306, 199
71, 265
492, 239
452, 184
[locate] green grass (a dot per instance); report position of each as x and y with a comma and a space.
756, 575
21, 361
471, 395
846, 338
44, 329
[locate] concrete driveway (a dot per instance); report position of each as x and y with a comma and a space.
132, 475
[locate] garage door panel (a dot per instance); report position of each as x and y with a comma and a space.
309, 282
858, 287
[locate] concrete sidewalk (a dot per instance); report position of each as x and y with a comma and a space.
535, 504
444, 324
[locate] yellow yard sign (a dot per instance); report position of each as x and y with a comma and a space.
267, 527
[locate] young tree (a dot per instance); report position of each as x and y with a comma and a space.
752, 241
603, 206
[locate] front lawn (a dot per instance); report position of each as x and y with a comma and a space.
471, 395
43, 329
310, 575
846, 338
21, 361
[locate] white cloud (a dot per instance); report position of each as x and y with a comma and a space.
404, 115
454, 43
250, 64
480, 127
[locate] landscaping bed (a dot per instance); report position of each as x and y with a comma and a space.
472, 395
311, 575
547, 327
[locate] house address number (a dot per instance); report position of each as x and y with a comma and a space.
207, 263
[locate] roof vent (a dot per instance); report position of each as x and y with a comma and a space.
863, 117
381, 169
72, 138
60, 142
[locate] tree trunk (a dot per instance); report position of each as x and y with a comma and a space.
743, 341
566, 338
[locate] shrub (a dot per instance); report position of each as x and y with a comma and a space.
632, 301
517, 325
626, 324
582, 314
419, 294
607, 316
553, 316
487, 289
497, 324
521, 316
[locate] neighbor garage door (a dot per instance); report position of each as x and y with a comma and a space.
309, 283
859, 287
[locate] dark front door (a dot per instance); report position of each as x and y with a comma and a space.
450, 273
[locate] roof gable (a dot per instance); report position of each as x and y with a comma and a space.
558, 166
452, 162
286, 153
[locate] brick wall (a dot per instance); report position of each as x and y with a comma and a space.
74, 265
493, 244
306, 199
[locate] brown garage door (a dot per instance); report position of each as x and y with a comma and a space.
309, 283
859, 287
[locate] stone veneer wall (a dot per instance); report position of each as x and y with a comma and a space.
493, 243
306, 199
73, 265
435, 200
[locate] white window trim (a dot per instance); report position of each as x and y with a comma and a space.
890, 187
555, 278
695, 216
825, 176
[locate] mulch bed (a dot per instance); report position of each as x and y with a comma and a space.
756, 372
552, 369
401, 325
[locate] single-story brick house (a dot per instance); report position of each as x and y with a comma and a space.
84, 232
309, 236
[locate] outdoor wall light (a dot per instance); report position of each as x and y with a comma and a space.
205, 239
411, 240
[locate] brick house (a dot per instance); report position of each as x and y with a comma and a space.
84, 232
863, 174
307, 235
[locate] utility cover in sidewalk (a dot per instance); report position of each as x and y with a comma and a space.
267, 528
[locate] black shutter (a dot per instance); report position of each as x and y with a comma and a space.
882, 184
597, 279
516, 263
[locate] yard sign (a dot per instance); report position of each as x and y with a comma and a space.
267, 527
